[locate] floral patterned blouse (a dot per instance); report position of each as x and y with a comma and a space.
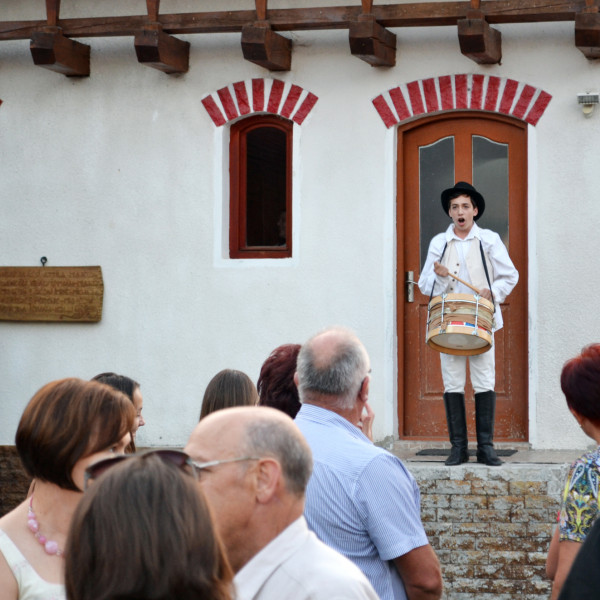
580, 507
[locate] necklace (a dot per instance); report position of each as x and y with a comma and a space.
50, 547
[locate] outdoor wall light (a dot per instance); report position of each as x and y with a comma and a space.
588, 100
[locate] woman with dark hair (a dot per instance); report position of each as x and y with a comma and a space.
150, 509
131, 389
276, 387
228, 388
67, 425
580, 383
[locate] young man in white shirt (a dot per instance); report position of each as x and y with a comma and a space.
460, 251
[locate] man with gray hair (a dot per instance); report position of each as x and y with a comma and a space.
360, 500
253, 465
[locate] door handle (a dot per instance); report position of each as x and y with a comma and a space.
410, 282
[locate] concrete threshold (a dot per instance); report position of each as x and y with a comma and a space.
407, 451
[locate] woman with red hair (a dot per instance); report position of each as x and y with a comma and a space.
580, 383
276, 387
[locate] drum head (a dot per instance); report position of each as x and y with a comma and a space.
459, 340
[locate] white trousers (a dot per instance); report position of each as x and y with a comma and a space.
482, 368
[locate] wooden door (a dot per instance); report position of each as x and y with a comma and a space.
489, 151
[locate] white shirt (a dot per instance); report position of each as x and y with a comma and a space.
31, 585
503, 277
296, 564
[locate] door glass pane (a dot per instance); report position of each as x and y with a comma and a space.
436, 173
490, 177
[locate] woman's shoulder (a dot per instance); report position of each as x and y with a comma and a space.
19, 578
11, 521
584, 469
8, 581
589, 459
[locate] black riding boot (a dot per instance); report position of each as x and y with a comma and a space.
457, 428
485, 409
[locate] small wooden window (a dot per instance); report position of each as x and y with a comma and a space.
260, 168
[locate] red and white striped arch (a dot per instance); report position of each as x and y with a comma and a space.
462, 92
259, 96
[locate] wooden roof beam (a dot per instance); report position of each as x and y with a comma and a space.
587, 30
51, 49
426, 14
478, 41
159, 50
262, 46
371, 42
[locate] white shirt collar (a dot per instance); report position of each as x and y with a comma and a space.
474, 233
250, 578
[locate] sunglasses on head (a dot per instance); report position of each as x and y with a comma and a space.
173, 457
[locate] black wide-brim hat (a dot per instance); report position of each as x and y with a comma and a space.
462, 187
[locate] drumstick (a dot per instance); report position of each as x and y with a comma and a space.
465, 283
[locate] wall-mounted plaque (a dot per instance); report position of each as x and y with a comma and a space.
66, 294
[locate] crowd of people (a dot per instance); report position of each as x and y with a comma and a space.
278, 493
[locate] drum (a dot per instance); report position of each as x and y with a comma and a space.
460, 324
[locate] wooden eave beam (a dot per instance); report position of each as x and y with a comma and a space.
54, 51
587, 30
370, 41
429, 14
262, 46
51, 49
478, 41
159, 50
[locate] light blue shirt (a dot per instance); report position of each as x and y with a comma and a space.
360, 500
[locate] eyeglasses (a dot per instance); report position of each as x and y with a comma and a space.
213, 463
174, 457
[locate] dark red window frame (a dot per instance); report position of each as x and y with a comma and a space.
238, 169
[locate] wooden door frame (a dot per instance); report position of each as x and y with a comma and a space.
400, 238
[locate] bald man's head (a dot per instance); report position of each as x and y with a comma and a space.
330, 368
259, 432
257, 465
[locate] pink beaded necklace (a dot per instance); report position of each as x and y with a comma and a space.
50, 547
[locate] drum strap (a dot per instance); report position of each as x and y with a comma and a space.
487, 276
440, 260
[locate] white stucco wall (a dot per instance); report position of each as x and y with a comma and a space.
126, 170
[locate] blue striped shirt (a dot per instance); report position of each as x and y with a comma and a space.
360, 500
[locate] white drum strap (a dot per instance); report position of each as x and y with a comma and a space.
431, 295
487, 275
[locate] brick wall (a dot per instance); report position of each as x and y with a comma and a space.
491, 527
14, 482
